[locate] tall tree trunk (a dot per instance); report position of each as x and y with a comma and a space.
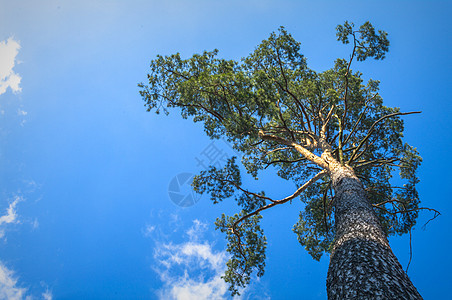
362, 264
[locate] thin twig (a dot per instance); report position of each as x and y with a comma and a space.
411, 254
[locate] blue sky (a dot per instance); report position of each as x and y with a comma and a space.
85, 171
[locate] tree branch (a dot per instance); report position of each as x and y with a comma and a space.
305, 152
290, 93
282, 201
388, 161
359, 120
283, 161
346, 81
372, 129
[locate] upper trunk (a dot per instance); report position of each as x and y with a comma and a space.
362, 264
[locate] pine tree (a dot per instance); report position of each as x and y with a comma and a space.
328, 132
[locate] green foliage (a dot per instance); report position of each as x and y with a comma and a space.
220, 184
246, 244
269, 101
315, 227
224, 183
369, 43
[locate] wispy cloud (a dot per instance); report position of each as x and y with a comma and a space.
8, 282
10, 289
191, 270
148, 230
8, 285
8, 78
47, 295
10, 216
195, 232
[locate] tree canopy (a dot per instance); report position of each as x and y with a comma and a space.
283, 116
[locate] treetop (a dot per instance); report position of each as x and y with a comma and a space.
283, 116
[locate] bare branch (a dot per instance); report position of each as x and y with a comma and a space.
299, 105
346, 82
284, 121
387, 161
437, 213
411, 254
277, 149
282, 201
290, 93
359, 120
326, 121
305, 152
323, 139
243, 190
283, 161
372, 129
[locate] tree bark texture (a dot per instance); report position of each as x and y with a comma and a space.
362, 264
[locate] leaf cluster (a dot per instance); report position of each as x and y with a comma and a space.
369, 43
224, 183
247, 245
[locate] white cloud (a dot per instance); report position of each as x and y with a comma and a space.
8, 78
8, 282
21, 112
10, 216
191, 270
149, 230
8, 285
9, 288
35, 224
47, 295
196, 230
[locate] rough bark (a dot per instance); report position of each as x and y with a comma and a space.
362, 264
